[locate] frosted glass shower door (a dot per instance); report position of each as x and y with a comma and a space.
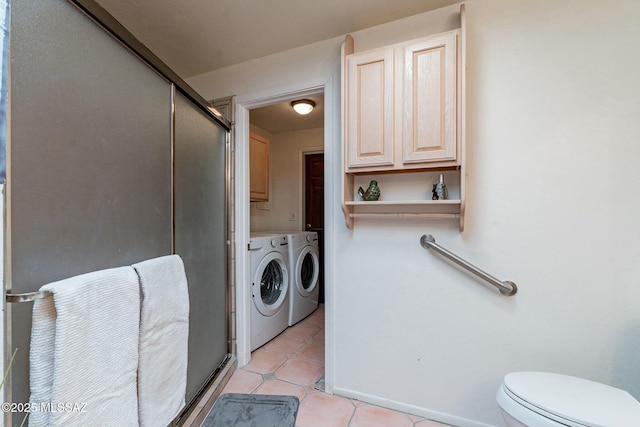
200, 235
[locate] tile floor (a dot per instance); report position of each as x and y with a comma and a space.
292, 363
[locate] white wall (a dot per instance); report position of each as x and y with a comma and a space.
286, 197
553, 152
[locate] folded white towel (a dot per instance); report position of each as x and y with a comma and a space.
164, 332
84, 350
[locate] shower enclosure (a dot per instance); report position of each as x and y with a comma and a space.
112, 160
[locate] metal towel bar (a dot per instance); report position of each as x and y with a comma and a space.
506, 288
26, 297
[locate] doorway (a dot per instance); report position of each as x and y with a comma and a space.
330, 88
292, 189
289, 137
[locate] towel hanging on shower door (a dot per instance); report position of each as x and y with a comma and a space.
164, 333
84, 350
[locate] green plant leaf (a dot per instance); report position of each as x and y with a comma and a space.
6, 373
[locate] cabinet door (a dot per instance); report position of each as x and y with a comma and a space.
370, 109
429, 116
259, 167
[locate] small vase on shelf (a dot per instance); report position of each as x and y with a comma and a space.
372, 193
440, 189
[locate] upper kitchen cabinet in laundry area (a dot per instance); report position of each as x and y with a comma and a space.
403, 115
258, 168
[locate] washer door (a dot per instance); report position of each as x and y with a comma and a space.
270, 284
307, 270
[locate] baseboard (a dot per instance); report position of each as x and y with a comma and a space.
410, 409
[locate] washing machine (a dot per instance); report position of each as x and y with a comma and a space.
304, 265
270, 282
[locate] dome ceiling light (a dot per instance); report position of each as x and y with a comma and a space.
303, 106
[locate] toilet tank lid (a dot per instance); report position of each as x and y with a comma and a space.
574, 399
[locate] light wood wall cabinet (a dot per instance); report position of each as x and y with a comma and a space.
401, 104
370, 113
403, 111
259, 168
428, 114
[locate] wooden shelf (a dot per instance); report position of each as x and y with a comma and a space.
397, 209
387, 207
403, 209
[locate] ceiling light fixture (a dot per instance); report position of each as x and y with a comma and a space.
303, 106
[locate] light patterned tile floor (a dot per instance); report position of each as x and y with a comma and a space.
292, 363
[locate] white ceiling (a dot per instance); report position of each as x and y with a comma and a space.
280, 117
196, 36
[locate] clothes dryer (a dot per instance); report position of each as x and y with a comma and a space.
270, 282
304, 265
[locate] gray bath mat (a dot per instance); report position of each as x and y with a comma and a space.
253, 410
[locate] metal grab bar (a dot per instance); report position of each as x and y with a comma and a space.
506, 288
26, 297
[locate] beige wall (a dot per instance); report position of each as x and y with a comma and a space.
286, 200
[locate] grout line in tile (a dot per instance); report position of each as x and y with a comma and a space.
353, 414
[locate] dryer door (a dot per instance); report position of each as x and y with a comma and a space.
270, 284
307, 270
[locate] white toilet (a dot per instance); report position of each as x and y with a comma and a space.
540, 399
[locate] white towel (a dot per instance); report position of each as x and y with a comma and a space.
84, 350
164, 332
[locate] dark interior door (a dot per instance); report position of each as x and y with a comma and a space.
314, 206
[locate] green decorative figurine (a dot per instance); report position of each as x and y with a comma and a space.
372, 193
